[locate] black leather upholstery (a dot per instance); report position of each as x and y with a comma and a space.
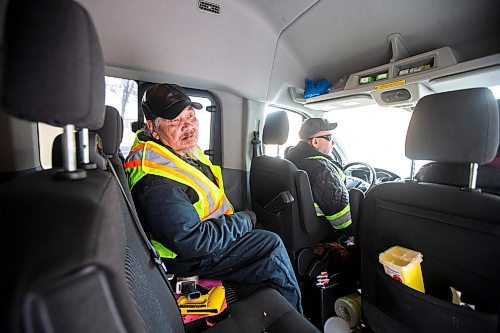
456, 230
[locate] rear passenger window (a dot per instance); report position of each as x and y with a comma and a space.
46, 136
205, 121
122, 95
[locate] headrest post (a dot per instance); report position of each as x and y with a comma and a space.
69, 171
473, 176
412, 171
84, 145
69, 148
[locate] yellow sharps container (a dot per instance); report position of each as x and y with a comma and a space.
403, 264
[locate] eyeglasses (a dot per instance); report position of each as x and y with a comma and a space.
328, 137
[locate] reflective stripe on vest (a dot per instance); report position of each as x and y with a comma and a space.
338, 220
152, 158
341, 219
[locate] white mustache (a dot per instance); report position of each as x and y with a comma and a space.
189, 133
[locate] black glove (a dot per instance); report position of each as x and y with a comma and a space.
253, 217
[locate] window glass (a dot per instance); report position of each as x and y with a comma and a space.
377, 135
496, 91
46, 136
205, 120
373, 134
295, 121
122, 95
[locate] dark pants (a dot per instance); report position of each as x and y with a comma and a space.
257, 257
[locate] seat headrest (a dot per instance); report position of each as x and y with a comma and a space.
275, 130
111, 132
458, 127
53, 64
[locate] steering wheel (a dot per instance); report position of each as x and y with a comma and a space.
356, 182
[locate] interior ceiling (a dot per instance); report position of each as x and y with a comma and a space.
353, 36
255, 48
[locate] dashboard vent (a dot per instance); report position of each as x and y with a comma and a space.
209, 7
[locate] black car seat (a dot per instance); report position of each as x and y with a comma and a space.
281, 194
111, 134
81, 263
456, 229
488, 176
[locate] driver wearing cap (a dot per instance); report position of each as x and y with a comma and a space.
180, 199
312, 154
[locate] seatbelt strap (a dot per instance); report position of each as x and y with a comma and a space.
256, 143
155, 256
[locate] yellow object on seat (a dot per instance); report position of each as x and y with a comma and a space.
403, 264
211, 303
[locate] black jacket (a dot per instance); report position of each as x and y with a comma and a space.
328, 190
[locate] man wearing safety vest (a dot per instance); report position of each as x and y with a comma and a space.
179, 195
312, 154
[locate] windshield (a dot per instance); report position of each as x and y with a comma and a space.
375, 135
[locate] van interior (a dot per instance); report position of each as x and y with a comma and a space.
413, 86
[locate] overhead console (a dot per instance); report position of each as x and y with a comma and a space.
396, 84
401, 82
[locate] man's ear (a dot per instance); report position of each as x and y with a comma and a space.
150, 126
314, 142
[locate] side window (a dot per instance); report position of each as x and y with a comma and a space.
46, 136
205, 120
122, 95
295, 121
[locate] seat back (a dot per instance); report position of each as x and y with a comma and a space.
456, 229
111, 134
79, 264
488, 176
281, 194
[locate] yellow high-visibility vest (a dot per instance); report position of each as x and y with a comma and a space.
148, 157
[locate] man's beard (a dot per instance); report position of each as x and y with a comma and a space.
189, 152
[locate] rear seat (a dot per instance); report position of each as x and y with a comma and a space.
111, 134
78, 262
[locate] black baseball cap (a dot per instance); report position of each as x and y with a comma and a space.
314, 125
166, 101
